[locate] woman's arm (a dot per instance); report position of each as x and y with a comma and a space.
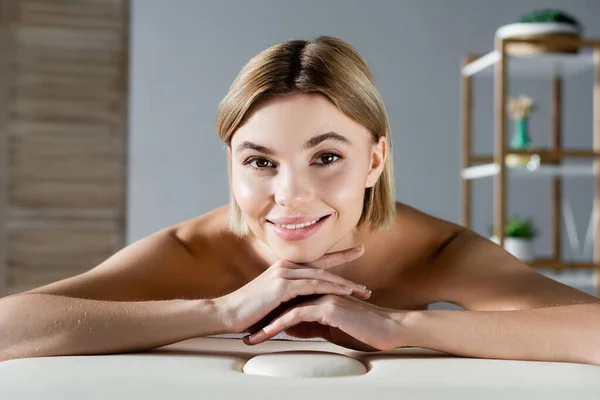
129, 302
37, 325
559, 334
477, 274
511, 311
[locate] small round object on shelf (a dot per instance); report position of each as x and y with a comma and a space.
517, 160
534, 162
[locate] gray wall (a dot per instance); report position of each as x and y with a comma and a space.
186, 53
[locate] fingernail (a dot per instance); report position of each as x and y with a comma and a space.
362, 286
360, 248
267, 329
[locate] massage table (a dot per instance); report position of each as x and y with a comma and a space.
213, 368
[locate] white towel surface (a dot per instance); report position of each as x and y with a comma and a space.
279, 336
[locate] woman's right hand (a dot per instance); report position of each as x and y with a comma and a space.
251, 307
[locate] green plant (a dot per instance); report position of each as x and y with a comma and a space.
517, 227
549, 15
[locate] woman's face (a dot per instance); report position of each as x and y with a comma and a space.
297, 160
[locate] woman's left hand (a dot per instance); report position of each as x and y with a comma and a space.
342, 320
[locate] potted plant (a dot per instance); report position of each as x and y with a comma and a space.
545, 23
519, 234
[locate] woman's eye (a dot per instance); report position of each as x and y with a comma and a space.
259, 163
263, 163
328, 158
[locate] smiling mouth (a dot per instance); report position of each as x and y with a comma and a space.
293, 227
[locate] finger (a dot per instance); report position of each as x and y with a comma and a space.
311, 273
282, 308
286, 321
314, 286
313, 304
330, 260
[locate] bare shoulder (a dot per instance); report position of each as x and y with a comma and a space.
454, 264
398, 257
417, 236
176, 262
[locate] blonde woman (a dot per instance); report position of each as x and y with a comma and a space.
312, 244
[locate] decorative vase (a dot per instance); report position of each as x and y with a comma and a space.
518, 247
520, 141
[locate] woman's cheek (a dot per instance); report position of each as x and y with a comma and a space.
344, 193
346, 186
249, 193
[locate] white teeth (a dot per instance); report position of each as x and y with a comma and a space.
299, 226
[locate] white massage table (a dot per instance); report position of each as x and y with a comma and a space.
212, 368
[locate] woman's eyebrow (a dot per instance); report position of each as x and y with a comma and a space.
253, 146
315, 140
309, 144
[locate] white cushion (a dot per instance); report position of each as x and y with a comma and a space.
212, 368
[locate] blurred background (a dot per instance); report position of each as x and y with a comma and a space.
107, 115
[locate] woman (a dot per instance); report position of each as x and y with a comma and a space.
312, 243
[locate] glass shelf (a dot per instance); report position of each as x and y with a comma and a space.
492, 169
534, 65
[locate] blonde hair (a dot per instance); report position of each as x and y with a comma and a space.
330, 67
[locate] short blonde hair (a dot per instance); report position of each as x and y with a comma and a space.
327, 66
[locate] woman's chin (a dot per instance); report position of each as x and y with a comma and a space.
298, 255
301, 258
307, 252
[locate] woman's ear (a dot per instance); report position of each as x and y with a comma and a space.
377, 162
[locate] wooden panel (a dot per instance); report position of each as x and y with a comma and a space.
65, 214
99, 15
68, 82
56, 110
41, 254
100, 131
66, 144
30, 167
63, 88
7, 11
41, 55
108, 10
72, 38
78, 68
49, 246
596, 144
65, 194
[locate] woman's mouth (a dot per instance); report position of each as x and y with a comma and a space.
298, 231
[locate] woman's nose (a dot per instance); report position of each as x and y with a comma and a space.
292, 189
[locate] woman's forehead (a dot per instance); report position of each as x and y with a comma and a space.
297, 118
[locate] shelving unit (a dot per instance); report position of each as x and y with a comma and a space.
498, 64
